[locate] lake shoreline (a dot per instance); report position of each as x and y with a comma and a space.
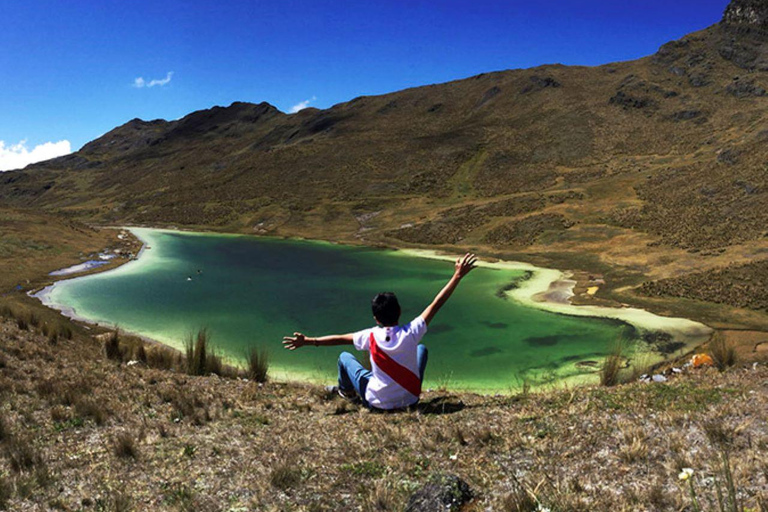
536, 292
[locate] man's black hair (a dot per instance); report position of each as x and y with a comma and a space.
386, 309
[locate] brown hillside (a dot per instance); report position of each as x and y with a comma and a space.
656, 166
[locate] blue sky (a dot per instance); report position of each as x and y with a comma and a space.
69, 69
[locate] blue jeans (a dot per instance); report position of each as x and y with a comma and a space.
353, 375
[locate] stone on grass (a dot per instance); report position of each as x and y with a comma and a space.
442, 493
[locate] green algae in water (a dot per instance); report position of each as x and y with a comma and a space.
252, 291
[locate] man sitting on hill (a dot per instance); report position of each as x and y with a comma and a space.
397, 358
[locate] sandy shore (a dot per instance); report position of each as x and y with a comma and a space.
551, 290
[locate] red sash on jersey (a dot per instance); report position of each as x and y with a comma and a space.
397, 372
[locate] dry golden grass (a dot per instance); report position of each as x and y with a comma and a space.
258, 364
612, 365
201, 358
723, 352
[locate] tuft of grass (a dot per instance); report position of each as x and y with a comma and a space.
59, 414
634, 447
66, 331
258, 364
284, 476
21, 455
6, 311
124, 446
120, 502
520, 499
5, 493
380, 498
112, 346
141, 354
722, 438
5, 431
200, 356
609, 371
22, 322
722, 352
52, 332
163, 358
86, 408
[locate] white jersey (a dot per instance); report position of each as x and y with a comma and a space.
393, 363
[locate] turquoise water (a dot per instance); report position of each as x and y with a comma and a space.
252, 291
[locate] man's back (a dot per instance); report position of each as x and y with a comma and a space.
393, 362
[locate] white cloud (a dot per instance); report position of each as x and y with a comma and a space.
19, 155
139, 82
302, 105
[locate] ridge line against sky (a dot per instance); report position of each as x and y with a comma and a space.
71, 71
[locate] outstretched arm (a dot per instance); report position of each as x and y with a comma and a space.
299, 340
462, 267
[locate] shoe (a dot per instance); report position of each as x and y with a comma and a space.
346, 395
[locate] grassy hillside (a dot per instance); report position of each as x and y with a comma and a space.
33, 244
81, 432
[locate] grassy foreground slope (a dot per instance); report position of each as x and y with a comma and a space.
81, 432
648, 169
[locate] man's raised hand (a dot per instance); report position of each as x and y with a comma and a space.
464, 265
295, 341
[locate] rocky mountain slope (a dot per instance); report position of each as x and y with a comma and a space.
656, 165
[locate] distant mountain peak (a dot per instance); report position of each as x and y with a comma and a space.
747, 12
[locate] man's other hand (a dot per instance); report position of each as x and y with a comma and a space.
464, 265
295, 341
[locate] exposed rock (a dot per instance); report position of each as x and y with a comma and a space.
687, 115
744, 88
677, 70
744, 53
627, 101
749, 188
728, 156
442, 493
747, 12
72, 162
745, 31
698, 80
489, 94
671, 51
540, 82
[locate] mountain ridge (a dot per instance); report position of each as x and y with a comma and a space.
655, 165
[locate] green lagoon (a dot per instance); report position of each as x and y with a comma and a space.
251, 291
